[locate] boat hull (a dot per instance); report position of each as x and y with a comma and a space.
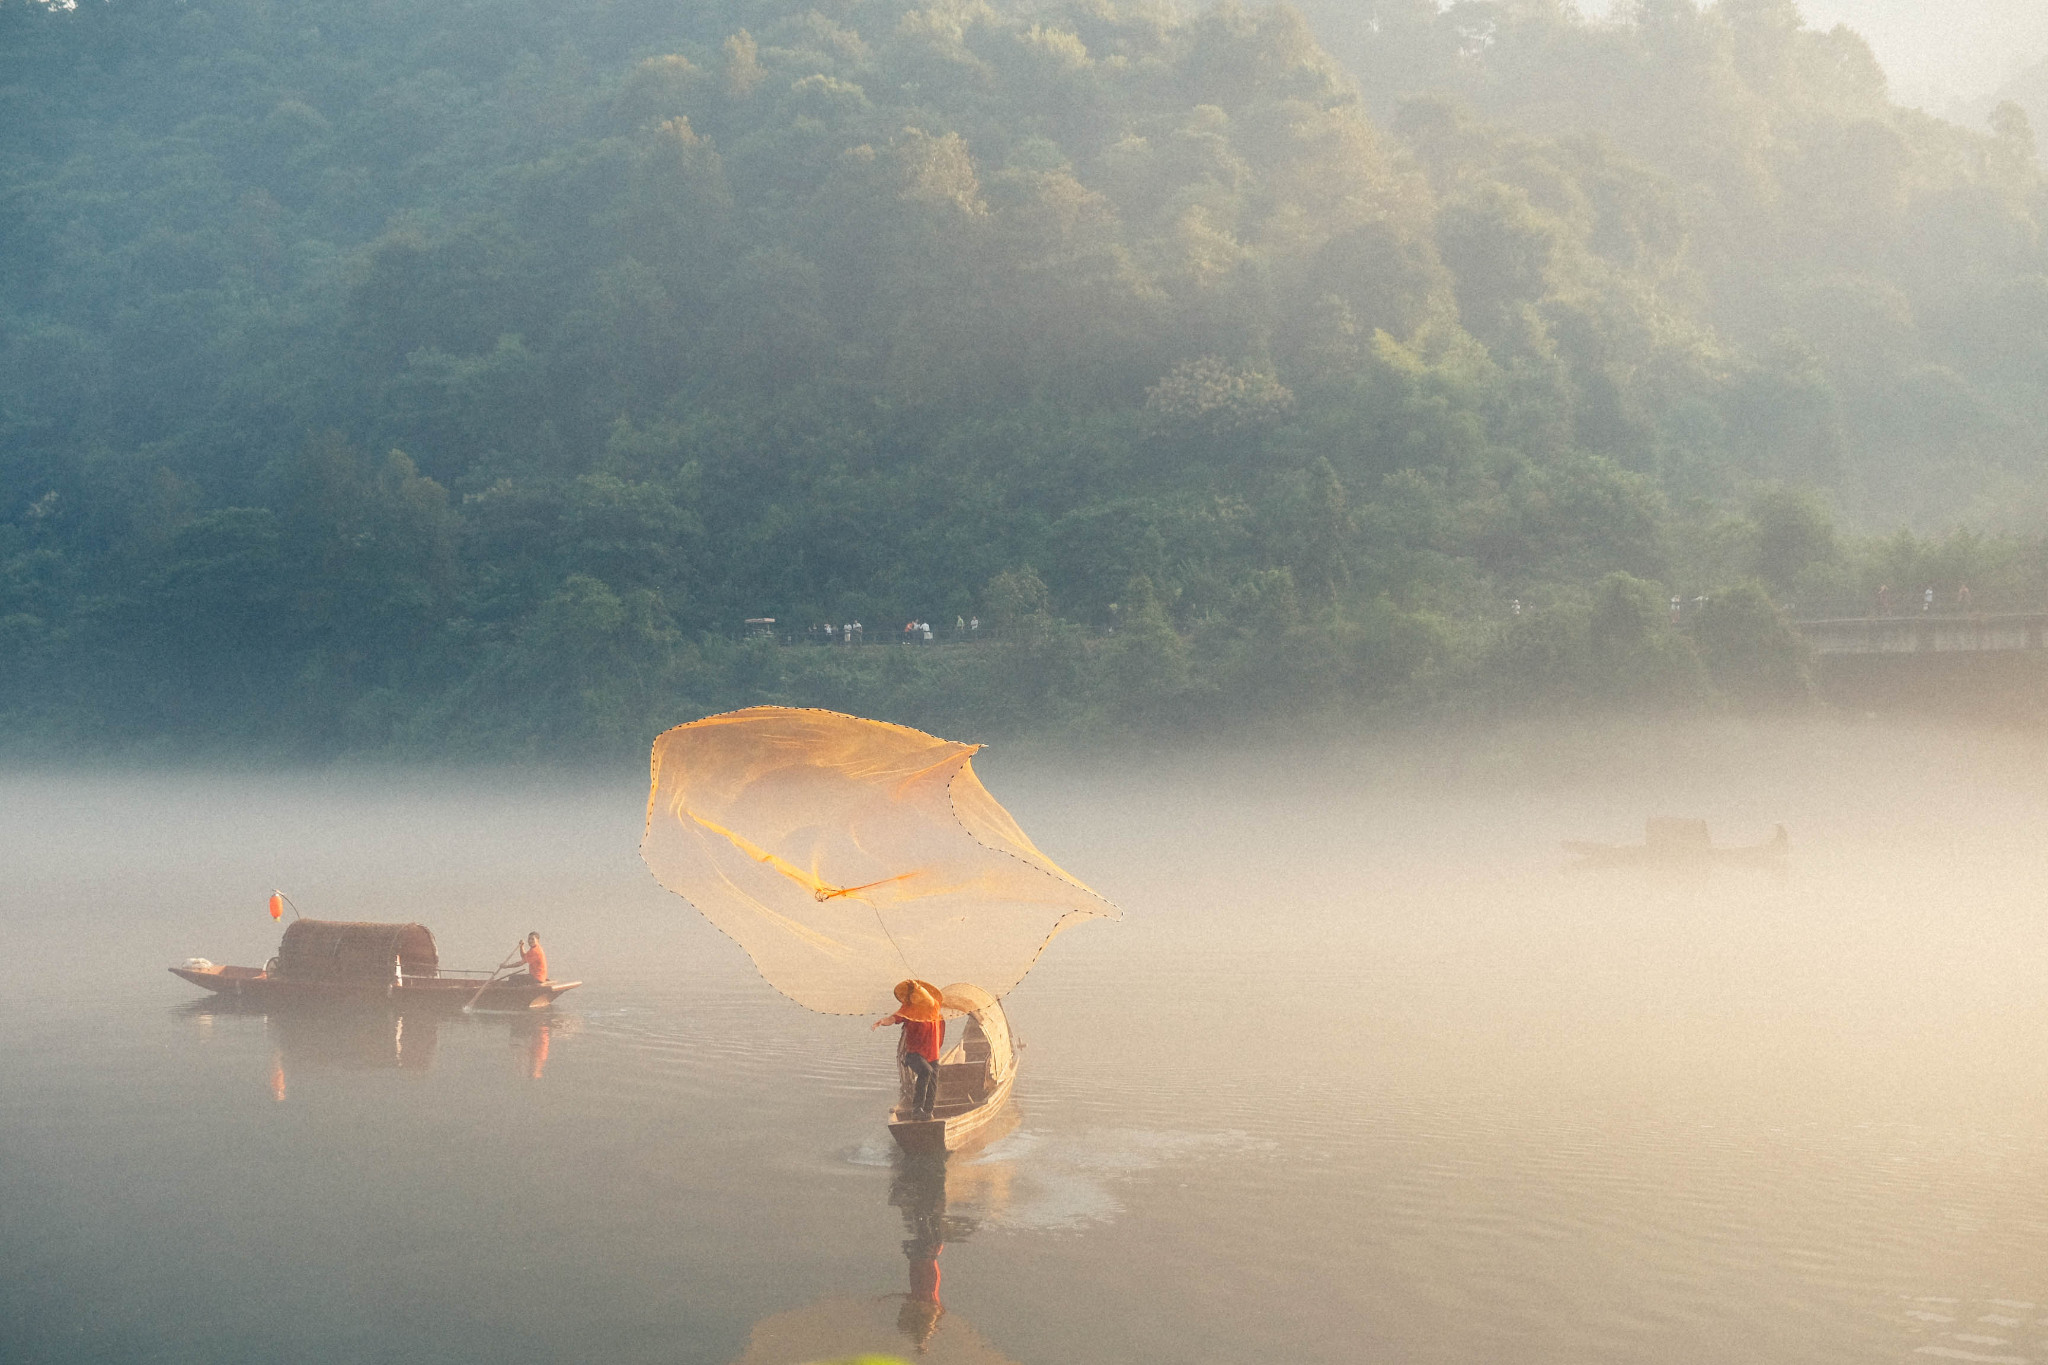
1695, 851
949, 1132
1637, 855
256, 987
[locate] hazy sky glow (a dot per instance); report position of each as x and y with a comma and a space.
1966, 48
1937, 51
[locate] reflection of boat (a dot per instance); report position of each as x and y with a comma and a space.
1678, 843
975, 1076
941, 1201
353, 1040
307, 1039
330, 960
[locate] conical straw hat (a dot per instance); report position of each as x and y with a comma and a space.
919, 1001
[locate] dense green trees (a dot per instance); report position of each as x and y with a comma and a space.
399, 374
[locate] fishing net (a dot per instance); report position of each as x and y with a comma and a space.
846, 854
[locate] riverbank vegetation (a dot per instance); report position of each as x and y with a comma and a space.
419, 377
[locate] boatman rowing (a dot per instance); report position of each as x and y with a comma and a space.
536, 961
924, 1034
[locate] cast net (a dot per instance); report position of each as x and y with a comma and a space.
846, 854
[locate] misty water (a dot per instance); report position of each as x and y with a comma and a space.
1366, 1072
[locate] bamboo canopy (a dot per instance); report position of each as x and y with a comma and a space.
339, 950
846, 855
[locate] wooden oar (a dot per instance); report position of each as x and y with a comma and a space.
470, 1006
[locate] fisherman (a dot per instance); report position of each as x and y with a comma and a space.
924, 1033
536, 960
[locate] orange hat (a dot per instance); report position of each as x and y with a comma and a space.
920, 1001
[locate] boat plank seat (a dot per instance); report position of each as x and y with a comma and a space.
962, 1081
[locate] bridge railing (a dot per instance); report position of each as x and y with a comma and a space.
1926, 633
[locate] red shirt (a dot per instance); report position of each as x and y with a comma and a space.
923, 1039
536, 962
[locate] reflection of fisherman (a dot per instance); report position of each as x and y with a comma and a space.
921, 1311
924, 1033
536, 960
920, 1191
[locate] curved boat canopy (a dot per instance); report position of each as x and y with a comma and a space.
964, 997
340, 950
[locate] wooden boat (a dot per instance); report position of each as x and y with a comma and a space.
331, 961
975, 1078
1679, 843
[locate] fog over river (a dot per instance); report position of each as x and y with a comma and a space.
1367, 1072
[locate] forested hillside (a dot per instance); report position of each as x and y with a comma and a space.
388, 374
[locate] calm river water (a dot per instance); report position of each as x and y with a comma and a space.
1366, 1073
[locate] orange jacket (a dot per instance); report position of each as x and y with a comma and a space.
536, 961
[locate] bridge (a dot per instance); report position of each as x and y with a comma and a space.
1926, 633
1979, 667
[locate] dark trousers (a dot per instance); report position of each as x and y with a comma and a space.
926, 1073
